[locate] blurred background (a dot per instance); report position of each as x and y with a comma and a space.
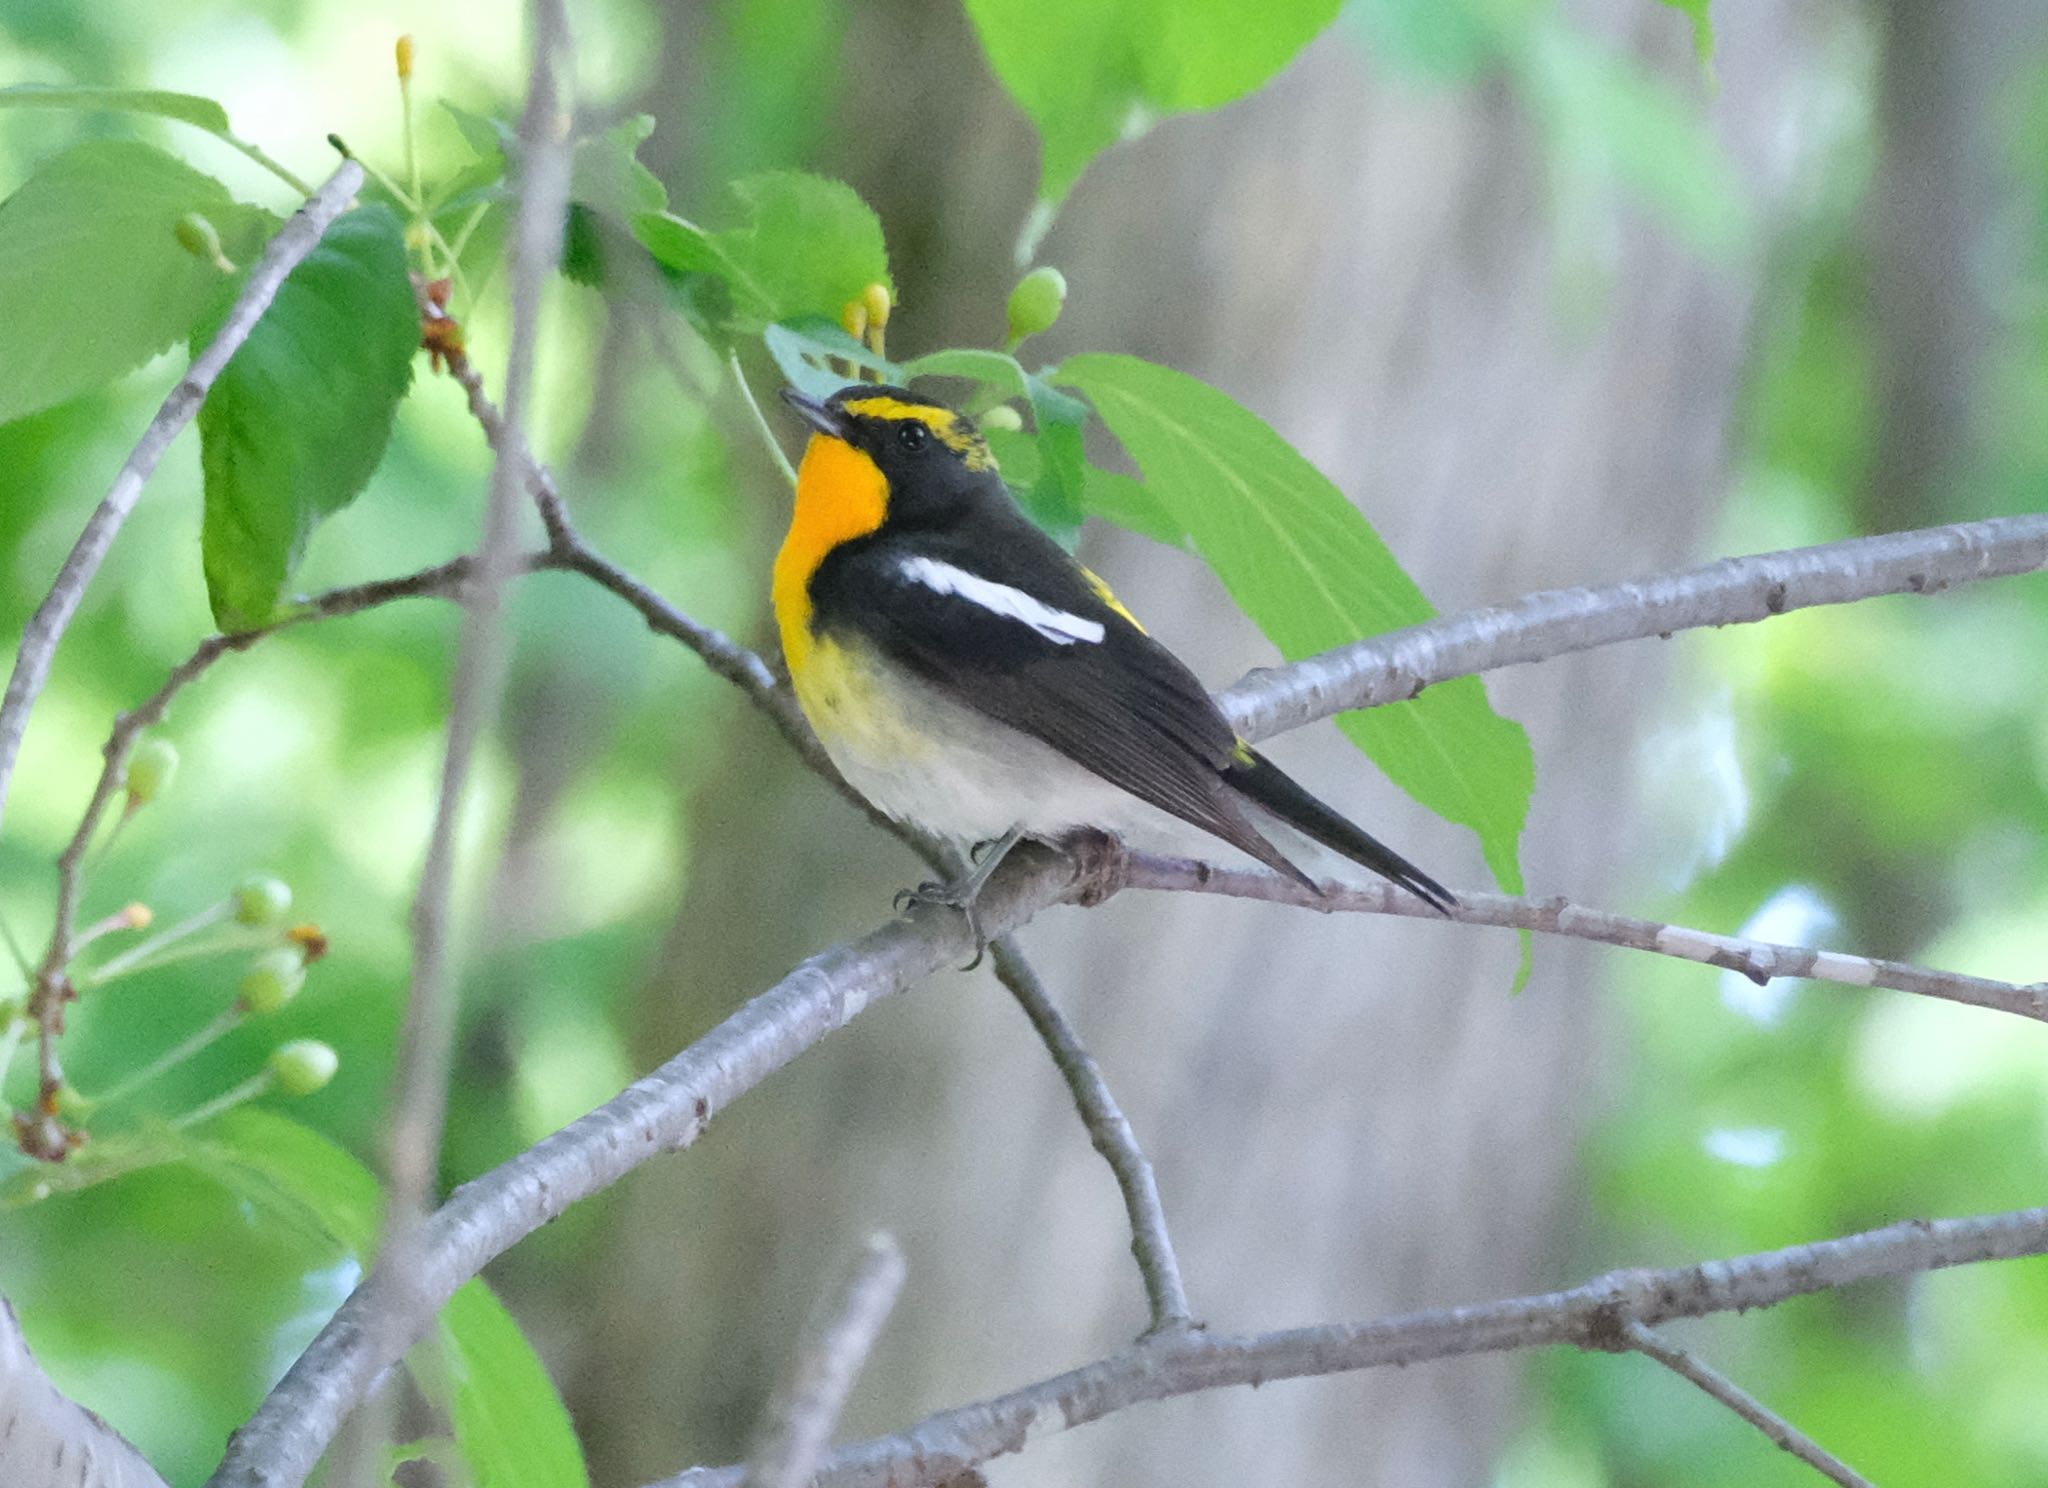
1554, 305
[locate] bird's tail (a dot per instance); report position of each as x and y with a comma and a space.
1260, 780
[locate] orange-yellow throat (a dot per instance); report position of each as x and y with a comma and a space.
841, 494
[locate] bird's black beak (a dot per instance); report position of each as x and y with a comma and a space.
826, 420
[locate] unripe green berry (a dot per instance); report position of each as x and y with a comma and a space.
150, 769
272, 980
262, 900
1002, 417
197, 236
1036, 302
303, 1066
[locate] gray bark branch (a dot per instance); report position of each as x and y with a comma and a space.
1733, 591
1759, 960
1597, 1315
669, 1108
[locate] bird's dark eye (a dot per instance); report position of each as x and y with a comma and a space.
912, 435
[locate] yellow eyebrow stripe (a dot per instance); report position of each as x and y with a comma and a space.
951, 430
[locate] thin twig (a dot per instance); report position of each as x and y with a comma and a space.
1759, 960
1733, 591
46, 627
419, 1104
664, 1110
798, 1427
1151, 1245
1647, 1341
45, 1137
1595, 1315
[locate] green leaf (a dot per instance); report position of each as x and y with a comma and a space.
1443, 40
1312, 573
803, 353
808, 247
96, 282
300, 417
1702, 26
1130, 504
606, 175
1054, 500
1089, 73
292, 1172
509, 1421
997, 373
187, 108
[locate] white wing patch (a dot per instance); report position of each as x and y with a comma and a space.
1056, 626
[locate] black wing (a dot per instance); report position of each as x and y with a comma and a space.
1122, 706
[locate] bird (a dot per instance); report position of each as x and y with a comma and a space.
971, 678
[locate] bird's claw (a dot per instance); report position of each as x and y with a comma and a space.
948, 896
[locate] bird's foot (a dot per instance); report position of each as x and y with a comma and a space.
1100, 859
960, 896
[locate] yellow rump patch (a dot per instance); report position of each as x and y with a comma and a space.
951, 430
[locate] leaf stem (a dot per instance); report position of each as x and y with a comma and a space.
21, 961
739, 376
171, 1058
256, 153
227, 1100
133, 958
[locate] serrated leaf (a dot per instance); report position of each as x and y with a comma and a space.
509, 1420
187, 108
1308, 568
488, 137
809, 246
299, 418
1090, 73
96, 282
606, 175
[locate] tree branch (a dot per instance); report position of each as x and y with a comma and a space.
542, 190
1597, 1315
1759, 960
799, 1426
1399, 664
43, 1136
1151, 1245
667, 1110
1648, 1342
43, 1432
663, 1111
46, 627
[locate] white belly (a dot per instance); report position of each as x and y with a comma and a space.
923, 758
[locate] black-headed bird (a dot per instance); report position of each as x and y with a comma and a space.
968, 676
